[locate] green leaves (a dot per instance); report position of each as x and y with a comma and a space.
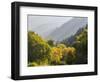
42, 52
38, 49
81, 44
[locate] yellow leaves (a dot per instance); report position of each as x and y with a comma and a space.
33, 64
69, 55
56, 51
69, 51
41, 52
34, 38
38, 49
39, 63
43, 62
62, 46
56, 54
77, 37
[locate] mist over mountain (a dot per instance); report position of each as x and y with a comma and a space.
70, 40
68, 29
57, 40
45, 29
44, 25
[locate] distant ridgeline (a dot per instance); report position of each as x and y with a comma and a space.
68, 29
80, 42
70, 40
66, 45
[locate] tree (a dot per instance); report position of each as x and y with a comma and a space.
50, 42
56, 55
61, 46
38, 50
81, 46
69, 55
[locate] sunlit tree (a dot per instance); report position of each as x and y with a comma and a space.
61, 46
69, 55
56, 55
38, 50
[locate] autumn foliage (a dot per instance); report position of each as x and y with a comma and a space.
42, 52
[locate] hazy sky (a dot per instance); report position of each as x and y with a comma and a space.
37, 21
45, 26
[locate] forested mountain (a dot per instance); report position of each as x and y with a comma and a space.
45, 52
70, 40
58, 42
68, 29
80, 42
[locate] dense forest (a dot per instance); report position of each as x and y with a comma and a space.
70, 51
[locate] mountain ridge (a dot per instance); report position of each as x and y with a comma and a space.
68, 29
